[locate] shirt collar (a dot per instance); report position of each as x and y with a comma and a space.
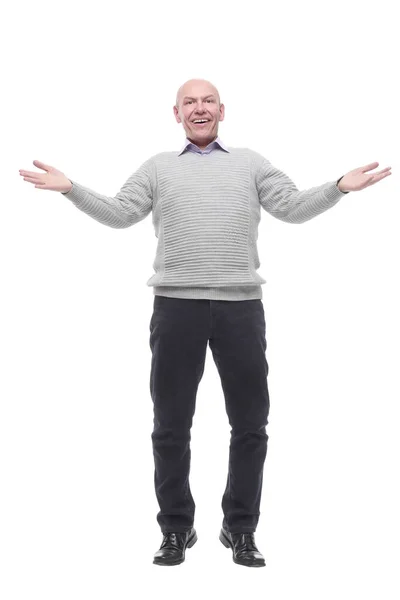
210, 146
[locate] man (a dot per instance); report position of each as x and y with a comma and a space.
205, 202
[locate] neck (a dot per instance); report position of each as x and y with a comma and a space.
203, 145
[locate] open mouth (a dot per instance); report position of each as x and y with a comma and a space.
201, 124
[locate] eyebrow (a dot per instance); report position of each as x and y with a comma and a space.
192, 98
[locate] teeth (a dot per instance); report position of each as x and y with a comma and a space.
200, 121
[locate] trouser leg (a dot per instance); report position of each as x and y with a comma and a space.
238, 345
179, 333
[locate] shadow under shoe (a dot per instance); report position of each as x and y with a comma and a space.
244, 549
173, 546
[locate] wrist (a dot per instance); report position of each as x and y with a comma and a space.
340, 189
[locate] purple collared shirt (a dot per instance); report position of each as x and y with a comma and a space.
211, 146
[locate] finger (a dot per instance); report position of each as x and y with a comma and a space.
32, 179
41, 165
382, 173
377, 177
369, 167
29, 173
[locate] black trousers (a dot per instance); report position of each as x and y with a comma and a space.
180, 329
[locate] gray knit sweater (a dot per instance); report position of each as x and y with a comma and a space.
205, 210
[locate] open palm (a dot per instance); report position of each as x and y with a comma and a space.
52, 179
359, 178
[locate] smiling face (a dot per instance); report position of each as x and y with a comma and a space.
199, 99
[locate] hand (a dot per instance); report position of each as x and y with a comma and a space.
53, 179
358, 179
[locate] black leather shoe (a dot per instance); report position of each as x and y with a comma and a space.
172, 549
244, 549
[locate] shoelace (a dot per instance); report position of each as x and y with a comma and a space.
170, 540
246, 541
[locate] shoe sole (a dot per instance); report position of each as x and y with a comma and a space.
226, 542
191, 541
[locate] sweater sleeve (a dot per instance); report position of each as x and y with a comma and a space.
280, 197
130, 205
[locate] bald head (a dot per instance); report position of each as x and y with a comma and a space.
194, 87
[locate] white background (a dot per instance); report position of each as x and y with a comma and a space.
89, 88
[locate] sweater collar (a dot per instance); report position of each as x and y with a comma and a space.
189, 145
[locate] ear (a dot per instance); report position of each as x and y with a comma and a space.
176, 113
222, 112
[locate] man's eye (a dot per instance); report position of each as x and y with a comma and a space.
190, 101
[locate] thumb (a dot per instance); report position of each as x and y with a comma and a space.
372, 165
42, 165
